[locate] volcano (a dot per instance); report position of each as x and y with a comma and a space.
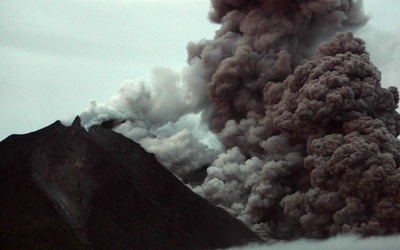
67, 188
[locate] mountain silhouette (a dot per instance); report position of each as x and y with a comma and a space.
68, 188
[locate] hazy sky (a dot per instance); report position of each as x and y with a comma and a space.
57, 55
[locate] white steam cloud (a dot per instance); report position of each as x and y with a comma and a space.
160, 116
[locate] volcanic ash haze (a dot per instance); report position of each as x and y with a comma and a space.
308, 135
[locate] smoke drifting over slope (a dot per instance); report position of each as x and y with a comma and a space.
334, 243
309, 143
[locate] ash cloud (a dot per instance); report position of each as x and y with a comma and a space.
260, 43
308, 134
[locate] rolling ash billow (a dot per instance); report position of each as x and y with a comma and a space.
308, 135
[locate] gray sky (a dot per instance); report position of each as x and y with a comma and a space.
58, 55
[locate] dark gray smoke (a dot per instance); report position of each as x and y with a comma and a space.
259, 44
309, 134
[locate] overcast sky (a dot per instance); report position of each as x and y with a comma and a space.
55, 56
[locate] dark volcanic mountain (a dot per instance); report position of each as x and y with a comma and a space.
66, 188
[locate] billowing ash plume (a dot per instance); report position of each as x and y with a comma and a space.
310, 138
260, 43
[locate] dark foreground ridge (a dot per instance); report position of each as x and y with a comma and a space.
65, 188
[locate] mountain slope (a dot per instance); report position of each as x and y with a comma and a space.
63, 187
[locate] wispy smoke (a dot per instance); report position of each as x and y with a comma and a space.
335, 243
309, 135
